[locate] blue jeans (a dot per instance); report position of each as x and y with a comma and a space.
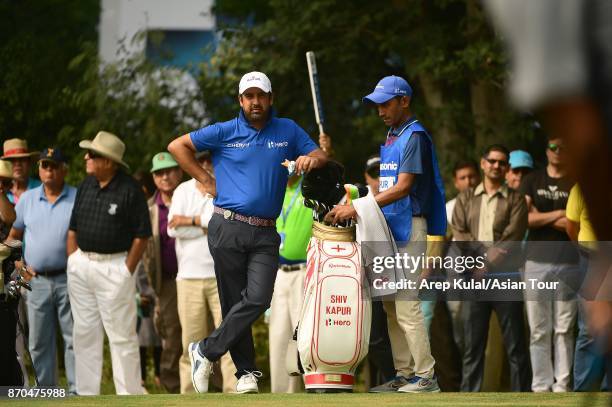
589, 363
48, 304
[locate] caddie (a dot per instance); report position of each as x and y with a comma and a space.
412, 200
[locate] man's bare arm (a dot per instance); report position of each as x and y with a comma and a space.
405, 181
71, 242
15, 234
183, 151
7, 210
138, 247
539, 219
315, 159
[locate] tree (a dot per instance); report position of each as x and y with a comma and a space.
444, 48
37, 41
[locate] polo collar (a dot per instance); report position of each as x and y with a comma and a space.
503, 190
113, 182
43, 197
395, 132
157, 198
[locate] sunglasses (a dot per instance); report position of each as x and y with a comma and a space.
555, 148
93, 155
49, 165
502, 163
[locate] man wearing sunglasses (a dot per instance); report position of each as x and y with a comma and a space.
547, 191
492, 213
43, 216
109, 230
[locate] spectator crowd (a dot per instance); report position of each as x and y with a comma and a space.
128, 257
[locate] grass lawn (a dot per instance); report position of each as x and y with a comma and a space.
352, 400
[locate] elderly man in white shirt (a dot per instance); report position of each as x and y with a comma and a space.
196, 285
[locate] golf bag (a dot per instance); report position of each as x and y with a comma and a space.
334, 328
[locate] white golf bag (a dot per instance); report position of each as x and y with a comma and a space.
334, 328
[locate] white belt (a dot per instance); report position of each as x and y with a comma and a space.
103, 256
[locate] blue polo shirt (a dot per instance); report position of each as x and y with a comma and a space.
247, 162
45, 227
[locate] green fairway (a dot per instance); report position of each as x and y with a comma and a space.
352, 400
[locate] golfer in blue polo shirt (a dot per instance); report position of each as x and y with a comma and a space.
412, 200
247, 153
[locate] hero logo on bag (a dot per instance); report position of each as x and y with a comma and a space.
112, 210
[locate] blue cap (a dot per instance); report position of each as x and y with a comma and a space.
520, 159
53, 154
388, 88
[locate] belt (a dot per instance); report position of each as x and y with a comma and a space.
251, 220
103, 256
51, 273
292, 267
418, 216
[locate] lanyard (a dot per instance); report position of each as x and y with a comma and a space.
389, 134
285, 214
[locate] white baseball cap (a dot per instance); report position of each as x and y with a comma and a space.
255, 80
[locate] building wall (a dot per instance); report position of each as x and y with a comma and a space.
123, 19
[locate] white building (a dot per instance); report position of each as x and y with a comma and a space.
187, 27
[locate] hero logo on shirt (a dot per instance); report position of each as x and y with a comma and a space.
112, 210
388, 166
274, 144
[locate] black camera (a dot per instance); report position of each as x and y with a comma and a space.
10, 285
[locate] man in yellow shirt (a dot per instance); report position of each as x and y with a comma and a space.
589, 363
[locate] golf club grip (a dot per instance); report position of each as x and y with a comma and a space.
314, 88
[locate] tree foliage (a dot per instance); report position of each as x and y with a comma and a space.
54, 89
444, 48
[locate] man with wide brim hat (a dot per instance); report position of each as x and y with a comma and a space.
106, 145
109, 230
17, 148
16, 151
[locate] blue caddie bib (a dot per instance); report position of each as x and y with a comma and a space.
399, 213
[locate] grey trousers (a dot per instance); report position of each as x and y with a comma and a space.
246, 262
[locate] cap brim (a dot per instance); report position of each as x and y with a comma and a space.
262, 87
164, 166
87, 145
377, 98
51, 159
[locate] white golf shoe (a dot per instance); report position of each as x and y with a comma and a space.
248, 383
201, 369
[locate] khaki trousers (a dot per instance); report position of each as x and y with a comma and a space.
102, 297
284, 316
196, 299
409, 339
169, 329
